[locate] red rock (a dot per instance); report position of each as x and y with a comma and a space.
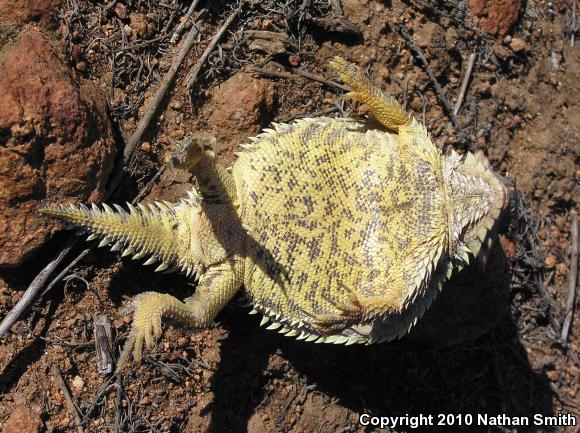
27, 10
23, 420
425, 33
240, 106
495, 17
56, 141
294, 60
140, 26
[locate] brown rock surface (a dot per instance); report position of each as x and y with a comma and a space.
27, 10
55, 141
431, 38
240, 106
495, 17
23, 420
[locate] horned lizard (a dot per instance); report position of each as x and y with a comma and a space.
339, 230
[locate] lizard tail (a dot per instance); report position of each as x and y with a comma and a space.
385, 108
145, 230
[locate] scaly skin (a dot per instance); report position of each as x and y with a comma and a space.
339, 233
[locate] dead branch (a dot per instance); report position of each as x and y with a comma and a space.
440, 93
574, 28
34, 287
194, 73
303, 115
164, 369
65, 271
67, 397
548, 300
337, 24
465, 83
104, 389
103, 344
572, 278
292, 75
119, 403
184, 20
154, 104
336, 7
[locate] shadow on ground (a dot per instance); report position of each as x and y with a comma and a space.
486, 375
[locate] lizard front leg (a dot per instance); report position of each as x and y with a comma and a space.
216, 287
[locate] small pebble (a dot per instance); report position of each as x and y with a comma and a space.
294, 60
176, 105
78, 384
561, 269
121, 11
550, 261
517, 45
81, 66
384, 72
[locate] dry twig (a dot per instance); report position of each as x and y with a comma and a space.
465, 83
184, 20
67, 397
164, 368
336, 7
194, 73
574, 28
294, 72
34, 287
119, 404
548, 299
103, 344
65, 271
572, 278
149, 184
153, 106
104, 389
337, 24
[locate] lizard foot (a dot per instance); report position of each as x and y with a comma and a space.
148, 308
350, 312
188, 152
354, 310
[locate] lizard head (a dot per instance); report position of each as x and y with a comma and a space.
476, 197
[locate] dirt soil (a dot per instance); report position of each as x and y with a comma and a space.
521, 109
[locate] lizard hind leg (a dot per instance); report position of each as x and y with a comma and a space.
216, 287
384, 108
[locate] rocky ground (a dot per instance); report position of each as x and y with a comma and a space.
76, 77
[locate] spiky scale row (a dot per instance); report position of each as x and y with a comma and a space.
142, 231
